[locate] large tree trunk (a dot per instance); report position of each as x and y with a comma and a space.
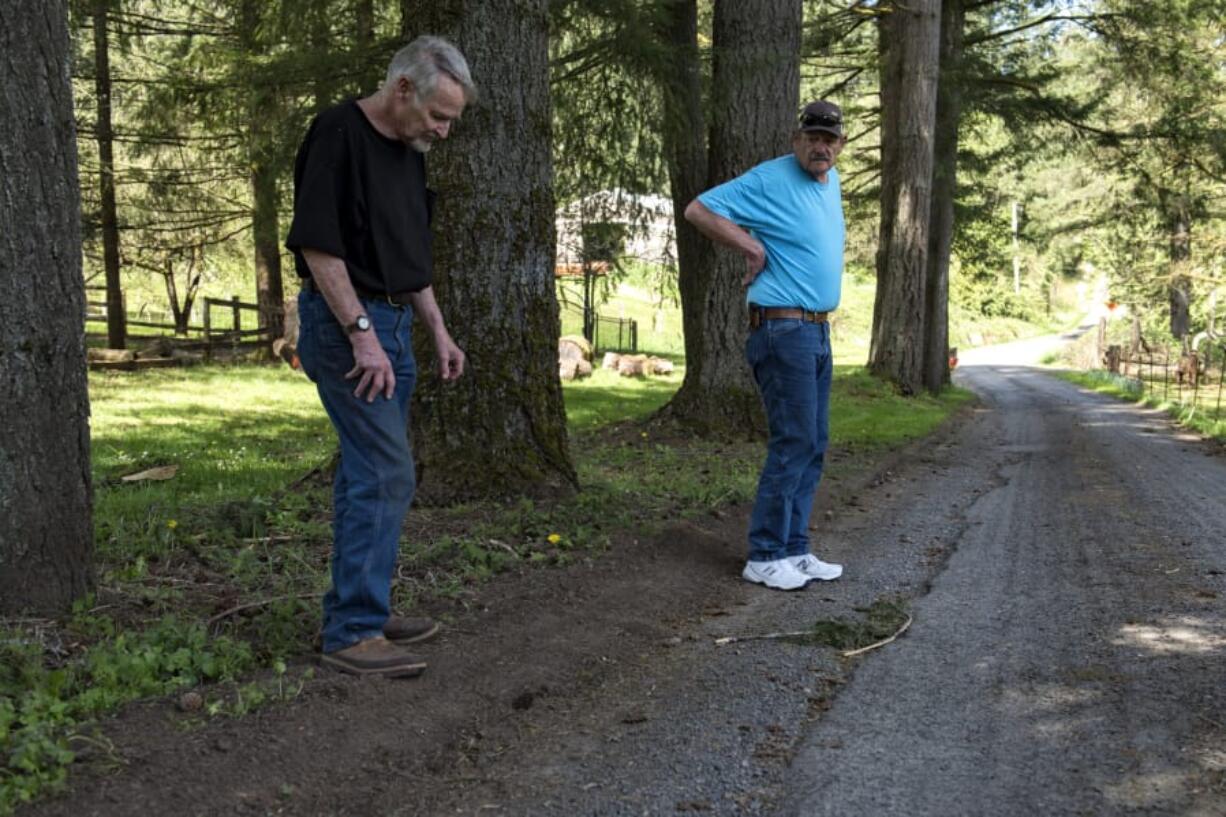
944, 190
116, 318
501, 429
370, 74
265, 222
756, 83
686, 146
910, 53
46, 536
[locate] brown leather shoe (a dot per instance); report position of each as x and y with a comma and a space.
375, 656
405, 630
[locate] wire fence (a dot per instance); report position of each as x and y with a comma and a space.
1195, 381
605, 334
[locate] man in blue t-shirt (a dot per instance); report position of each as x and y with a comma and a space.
786, 217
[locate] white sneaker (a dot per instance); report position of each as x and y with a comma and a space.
812, 567
777, 575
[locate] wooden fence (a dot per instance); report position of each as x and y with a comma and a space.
222, 329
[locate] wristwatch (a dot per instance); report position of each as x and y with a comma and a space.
360, 324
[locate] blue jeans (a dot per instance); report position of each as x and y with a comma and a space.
792, 365
375, 479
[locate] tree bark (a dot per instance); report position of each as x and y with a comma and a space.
944, 190
371, 70
262, 157
1179, 251
756, 84
116, 317
686, 145
266, 233
46, 535
500, 429
910, 54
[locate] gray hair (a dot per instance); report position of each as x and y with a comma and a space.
424, 60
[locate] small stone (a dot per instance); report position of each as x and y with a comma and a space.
190, 702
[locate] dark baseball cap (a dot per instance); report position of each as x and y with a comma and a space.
821, 116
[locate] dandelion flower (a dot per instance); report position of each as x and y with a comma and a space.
554, 538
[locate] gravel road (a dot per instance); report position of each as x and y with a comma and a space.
1064, 562
1069, 658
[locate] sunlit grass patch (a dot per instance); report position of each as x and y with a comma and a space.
868, 412
235, 433
607, 397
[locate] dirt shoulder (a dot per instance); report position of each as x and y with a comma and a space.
540, 688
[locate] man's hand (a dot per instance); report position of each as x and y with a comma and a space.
450, 358
371, 367
755, 262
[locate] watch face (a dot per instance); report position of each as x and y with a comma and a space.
363, 323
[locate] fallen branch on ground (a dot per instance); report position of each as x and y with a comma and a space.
732, 639
881, 643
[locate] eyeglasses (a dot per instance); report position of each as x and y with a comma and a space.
821, 120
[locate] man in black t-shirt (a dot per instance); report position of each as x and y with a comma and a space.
361, 242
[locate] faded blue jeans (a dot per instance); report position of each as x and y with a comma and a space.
792, 365
375, 479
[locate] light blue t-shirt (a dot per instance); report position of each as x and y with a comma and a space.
800, 222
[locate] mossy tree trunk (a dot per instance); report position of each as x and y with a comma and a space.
910, 60
46, 535
756, 81
500, 429
944, 189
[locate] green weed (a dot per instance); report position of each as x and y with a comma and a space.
878, 621
43, 709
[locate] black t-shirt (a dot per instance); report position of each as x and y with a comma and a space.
362, 197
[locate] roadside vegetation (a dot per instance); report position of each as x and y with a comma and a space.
1150, 377
1203, 415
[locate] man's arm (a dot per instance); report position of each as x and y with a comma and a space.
370, 363
450, 356
731, 235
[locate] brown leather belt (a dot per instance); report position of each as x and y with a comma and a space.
758, 314
396, 299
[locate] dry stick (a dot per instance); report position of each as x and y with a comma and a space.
881, 643
253, 604
732, 639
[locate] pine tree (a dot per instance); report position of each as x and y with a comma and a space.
46, 537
